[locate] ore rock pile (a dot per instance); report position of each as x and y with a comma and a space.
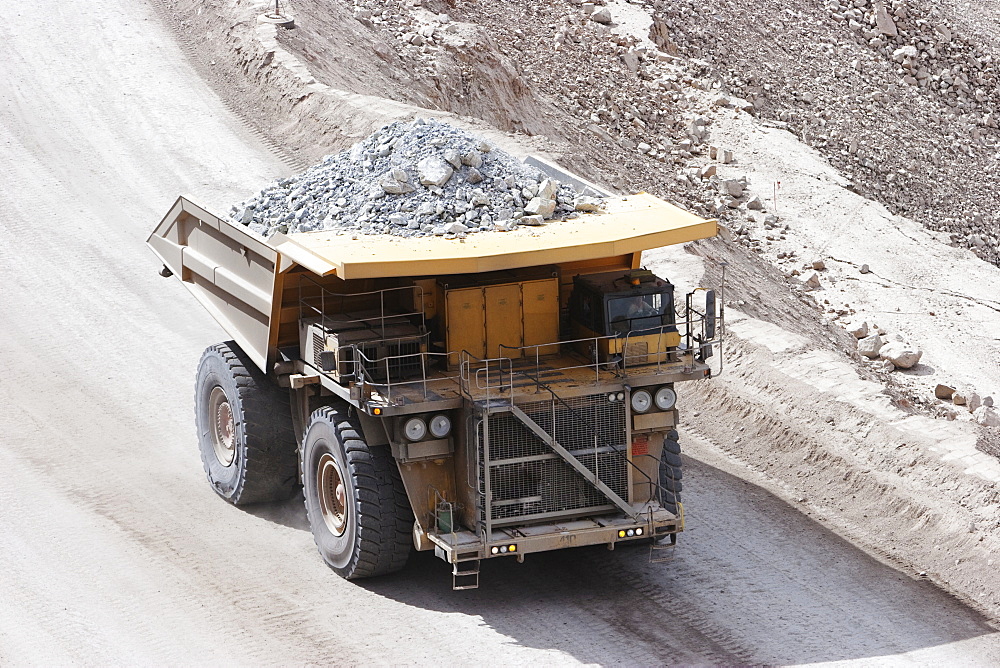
413, 179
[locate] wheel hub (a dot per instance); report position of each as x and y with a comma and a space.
223, 426
332, 494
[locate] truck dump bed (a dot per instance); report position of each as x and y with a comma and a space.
240, 278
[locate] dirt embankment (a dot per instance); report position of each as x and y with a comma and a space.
623, 113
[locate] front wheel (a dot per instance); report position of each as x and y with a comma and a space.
670, 473
358, 511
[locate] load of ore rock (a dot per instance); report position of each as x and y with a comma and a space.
413, 179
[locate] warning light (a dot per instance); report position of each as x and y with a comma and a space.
377, 411
621, 534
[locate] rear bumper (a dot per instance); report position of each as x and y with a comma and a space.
462, 546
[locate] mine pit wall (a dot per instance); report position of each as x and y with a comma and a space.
870, 477
261, 80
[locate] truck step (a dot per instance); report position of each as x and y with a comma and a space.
661, 553
465, 575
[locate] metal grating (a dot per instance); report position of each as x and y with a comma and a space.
404, 359
319, 344
529, 481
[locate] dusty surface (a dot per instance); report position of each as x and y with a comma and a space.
813, 501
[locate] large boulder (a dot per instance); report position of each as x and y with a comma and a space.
901, 355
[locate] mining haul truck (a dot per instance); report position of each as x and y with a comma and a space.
488, 397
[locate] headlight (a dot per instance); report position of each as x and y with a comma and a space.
415, 429
642, 401
665, 398
440, 426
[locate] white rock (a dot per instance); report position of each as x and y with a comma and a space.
473, 159
731, 187
455, 228
392, 186
858, 329
540, 207
547, 189
532, 220
988, 402
901, 355
812, 280
884, 22
583, 203
987, 416
707, 171
602, 15
870, 346
434, 171
755, 204
453, 157
973, 401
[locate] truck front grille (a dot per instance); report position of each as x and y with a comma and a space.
528, 481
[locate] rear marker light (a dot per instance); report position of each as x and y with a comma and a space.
495, 550
630, 533
621, 534
638, 532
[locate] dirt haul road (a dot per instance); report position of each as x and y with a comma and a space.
114, 549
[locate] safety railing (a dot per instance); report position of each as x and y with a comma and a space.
377, 375
332, 307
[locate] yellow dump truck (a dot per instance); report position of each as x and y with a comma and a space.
495, 396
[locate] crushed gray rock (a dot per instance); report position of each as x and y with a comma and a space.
422, 178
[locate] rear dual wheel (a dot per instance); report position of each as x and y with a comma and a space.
244, 425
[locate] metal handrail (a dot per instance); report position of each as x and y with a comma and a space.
661, 356
367, 377
325, 294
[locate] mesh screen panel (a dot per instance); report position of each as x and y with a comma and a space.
538, 483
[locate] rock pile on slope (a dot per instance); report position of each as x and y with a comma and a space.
412, 179
927, 89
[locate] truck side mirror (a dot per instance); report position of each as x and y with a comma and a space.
710, 314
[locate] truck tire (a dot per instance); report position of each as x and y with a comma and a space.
245, 430
670, 472
358, 511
